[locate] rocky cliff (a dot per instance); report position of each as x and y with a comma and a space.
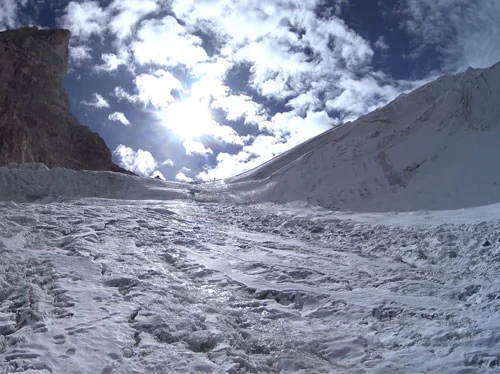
36, 124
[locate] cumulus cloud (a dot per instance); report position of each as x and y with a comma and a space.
465, 32
362, 95
79, 54
229, 165
181, 177
168, 162
194, 147
292, 56
140, 162
119, 117
89, 18
122, 95
240, 107
9, 13
166, 42
97, 101
155, 89
119, 17
127, 13
84, 19
111, 61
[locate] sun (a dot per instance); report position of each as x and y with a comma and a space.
189, 118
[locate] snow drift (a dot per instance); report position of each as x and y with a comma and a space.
435, 148
34, 181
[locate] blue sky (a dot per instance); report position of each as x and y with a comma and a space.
206, 89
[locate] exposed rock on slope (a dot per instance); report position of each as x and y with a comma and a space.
435, 148
35, 120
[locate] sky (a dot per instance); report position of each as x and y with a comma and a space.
196, 90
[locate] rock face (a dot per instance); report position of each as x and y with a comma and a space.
35, 120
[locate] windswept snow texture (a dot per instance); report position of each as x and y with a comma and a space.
33, 181
93, 285
435, 148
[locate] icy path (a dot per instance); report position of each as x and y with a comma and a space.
108, 286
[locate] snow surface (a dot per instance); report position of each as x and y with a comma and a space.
151, 277
33, 181
435, 148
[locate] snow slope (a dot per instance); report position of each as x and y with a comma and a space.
435, 148
32, 181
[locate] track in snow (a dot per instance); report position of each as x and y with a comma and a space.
106, 286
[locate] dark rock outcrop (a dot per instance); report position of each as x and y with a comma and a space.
36, 124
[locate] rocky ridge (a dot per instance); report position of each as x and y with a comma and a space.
36, 124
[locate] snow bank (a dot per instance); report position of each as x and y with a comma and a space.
30, 182
436, 148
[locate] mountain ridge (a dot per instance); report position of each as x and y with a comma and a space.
387, 157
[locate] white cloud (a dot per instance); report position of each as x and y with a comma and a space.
127, 13
121, 94
291, 129
79, 54
9, 13
140, 162
89, 18
156, 88
166, 42
111, 61
97, 101
381, 44
305, 101
305, 72
194, 147
168, 162
466, 32
119, 117
362, 95
239, 107
229, 165
152, 89
84, 19
181, 177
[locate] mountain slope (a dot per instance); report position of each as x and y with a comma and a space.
435, 148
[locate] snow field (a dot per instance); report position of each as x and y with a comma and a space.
110, 286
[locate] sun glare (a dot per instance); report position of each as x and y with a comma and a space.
188, 118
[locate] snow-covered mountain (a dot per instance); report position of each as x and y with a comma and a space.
435, 148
